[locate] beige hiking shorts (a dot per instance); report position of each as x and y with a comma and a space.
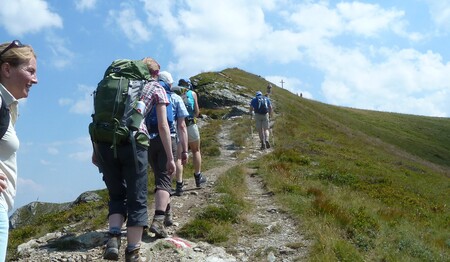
262, 121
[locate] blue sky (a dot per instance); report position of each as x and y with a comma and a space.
382, 55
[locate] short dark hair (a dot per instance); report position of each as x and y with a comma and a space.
183, 82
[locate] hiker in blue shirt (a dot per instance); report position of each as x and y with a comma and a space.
176, 114
261, 107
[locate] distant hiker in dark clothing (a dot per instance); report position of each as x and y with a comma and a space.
261, 106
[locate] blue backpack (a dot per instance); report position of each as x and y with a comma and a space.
189, 101
188, 98
262, 106
151, 120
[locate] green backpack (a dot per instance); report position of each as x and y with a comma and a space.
115, 100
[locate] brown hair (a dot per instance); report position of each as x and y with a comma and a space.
153, 66
16, 55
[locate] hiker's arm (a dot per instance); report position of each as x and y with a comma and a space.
164, 133
250, 111
183, 136
270, 109
196, 108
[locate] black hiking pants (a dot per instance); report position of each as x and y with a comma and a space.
126, 182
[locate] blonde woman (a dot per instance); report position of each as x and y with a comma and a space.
17, 75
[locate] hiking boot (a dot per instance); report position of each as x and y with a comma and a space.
112, 247
168, 219
133, 255
200, 180
158, 228
267, 145
179, 189
263, 146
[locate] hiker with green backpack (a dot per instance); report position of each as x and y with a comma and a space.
125, 95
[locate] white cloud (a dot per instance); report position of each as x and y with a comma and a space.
65, 101
332, 39
404, 81
83, 105
45, 162
28, 184
317, 18
81, 156
238, 29
85, 152
27, 16
82, 5
129, 23
283, 46
367, 19
440, 13
52, 151
61, 55
372, 77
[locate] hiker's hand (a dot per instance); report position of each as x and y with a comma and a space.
184, 157
170, 167
3, 182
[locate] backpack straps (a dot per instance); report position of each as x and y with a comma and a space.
4, 118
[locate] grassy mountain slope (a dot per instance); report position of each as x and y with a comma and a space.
369, 185
365, 185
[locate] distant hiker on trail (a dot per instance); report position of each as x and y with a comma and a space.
176, 114
269, 90
120, 148
17, 74
261, 106
190, 100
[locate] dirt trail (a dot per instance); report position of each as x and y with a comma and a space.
280, 239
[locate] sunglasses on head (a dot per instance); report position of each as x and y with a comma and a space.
14, 44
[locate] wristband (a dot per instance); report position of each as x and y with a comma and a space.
184, 152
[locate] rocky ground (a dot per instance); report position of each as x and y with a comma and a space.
281, 239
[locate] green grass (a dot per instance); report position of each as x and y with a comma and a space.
368, 186
371, 181
215, 222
